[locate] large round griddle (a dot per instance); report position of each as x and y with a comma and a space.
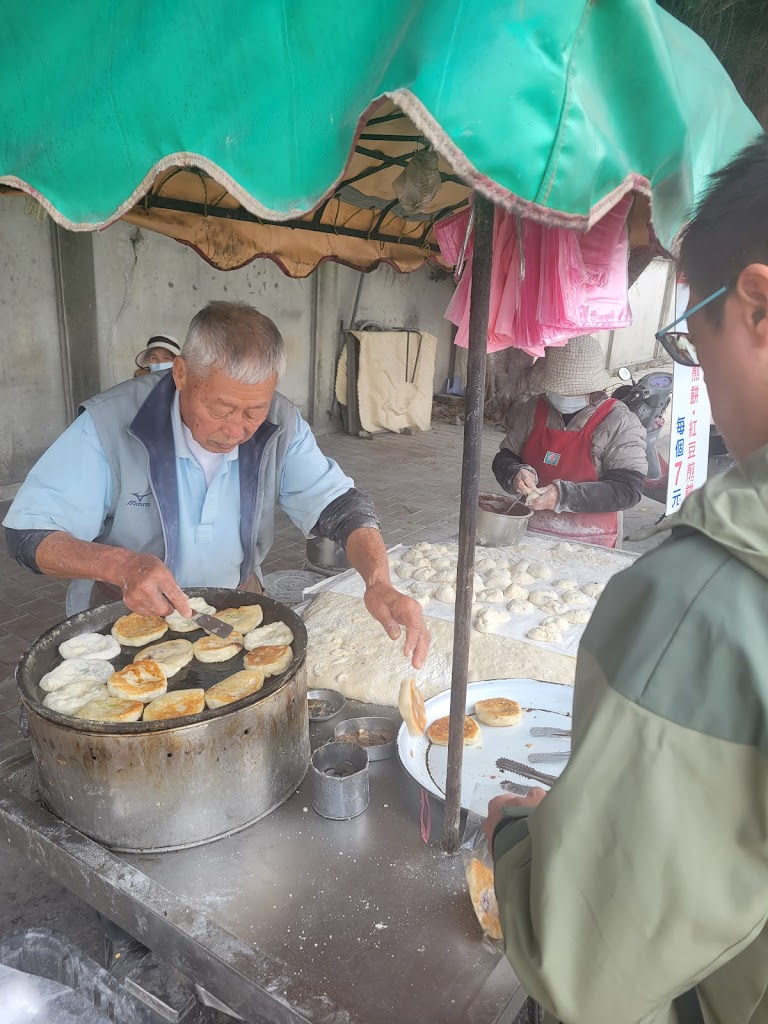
43, 654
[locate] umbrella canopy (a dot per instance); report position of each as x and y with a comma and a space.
309, 112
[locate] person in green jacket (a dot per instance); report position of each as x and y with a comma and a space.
636, 890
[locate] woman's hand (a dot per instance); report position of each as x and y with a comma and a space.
547, 499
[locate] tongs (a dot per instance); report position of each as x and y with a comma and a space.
504, 764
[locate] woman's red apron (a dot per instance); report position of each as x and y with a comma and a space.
567, 455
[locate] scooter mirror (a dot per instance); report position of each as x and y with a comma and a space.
624, 373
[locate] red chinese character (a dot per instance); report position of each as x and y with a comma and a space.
691, 449
692, 428
694, 394
695, 373
688, 489
690, 471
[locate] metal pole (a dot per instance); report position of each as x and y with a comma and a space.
470, 488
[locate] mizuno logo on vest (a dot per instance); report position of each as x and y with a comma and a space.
551, 458
139, 500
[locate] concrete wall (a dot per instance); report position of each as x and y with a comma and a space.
32, 398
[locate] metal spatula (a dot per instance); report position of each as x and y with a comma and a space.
212, 625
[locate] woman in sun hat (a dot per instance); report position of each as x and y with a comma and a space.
574, 455
158, 355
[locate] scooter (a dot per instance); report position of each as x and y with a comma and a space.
649, 399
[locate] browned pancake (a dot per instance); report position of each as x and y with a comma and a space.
438, 732
144, 681
411, 706
233, 688
213, 648
176, 704
498, 711
269, 660
111, 709
137, 630
243, 619
481, 892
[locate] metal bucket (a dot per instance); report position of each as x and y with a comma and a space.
501, 520
340, 797
149, 786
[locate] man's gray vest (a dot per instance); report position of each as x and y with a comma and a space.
133, 422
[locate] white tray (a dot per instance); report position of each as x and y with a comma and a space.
544, 704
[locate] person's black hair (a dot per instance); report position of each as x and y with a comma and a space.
729, 229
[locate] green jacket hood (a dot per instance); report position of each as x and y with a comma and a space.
732, 510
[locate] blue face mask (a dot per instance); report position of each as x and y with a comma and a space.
158, 367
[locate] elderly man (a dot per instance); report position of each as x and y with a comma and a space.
170, 480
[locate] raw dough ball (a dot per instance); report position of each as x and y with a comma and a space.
440, 549
559, 622
423, 545
498, 579
491, 618
441, 562
563, 549
422, 590
477, 584
90, 647
520, 567
565, 584
413, 556
485, 565
575, 597
405, 570
541, 597
424, 574
446, 594
444, 576
554, 608
523, 577
593, 589
545, 634
521, 607
579, 617
539, 570
516, 592
491, 596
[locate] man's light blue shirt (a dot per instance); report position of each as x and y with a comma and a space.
71, 489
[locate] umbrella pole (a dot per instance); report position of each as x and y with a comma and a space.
470, 488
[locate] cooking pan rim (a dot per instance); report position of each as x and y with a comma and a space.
271, 686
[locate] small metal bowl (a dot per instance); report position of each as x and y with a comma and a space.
331, 698
376, 751
501, 520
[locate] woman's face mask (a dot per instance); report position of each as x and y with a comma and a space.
568, 404
157, 367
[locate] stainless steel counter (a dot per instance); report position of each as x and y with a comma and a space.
298, 918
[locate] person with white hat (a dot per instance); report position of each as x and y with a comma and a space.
576, 456
158, 355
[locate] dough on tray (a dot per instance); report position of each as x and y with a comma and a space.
565, 584
539, 570
521, 607
522, 577
491, 596
593, 589
333, 619
441, 563
575, 598
559, 622
545, 634
485, 565
516, 592
490, 619
423, 575
563, 549
405, 570
90, 647
554, 607
542, 597
446, 594
579, 617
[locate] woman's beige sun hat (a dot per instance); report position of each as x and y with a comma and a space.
577, 368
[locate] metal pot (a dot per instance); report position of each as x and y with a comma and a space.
501, 520
152, 786
326, 556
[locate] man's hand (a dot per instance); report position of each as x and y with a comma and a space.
523, 482
548, 499
531, 799
393, 609
148, 586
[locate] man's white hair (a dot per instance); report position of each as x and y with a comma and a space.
238, 340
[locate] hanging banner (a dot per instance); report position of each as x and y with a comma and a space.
689, 424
